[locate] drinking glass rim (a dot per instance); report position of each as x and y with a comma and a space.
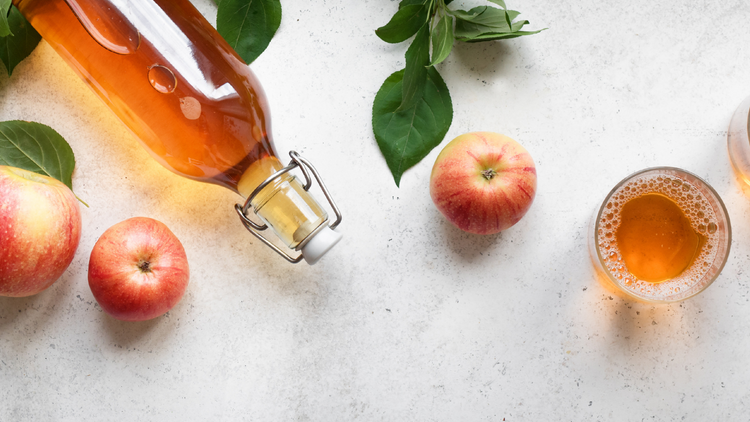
676, 170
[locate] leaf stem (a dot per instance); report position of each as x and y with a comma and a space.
431, 12
81, 201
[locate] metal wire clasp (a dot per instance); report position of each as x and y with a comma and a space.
255, 228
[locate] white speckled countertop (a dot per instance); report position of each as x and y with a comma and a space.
409, 319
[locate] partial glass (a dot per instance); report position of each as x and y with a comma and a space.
738, 142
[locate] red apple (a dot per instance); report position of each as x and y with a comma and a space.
40, 227
483, 182
138, 270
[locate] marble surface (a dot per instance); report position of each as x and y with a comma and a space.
409, 318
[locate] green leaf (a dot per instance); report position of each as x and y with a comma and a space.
486, 19
405, 23
500, 3
18, 46
4, 10
415, 74
38, 148
464, 15
248, 25
406, 136
486, 23
405, 3
489, 36
442, 40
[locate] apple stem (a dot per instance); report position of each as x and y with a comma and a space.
489, 174
144, 266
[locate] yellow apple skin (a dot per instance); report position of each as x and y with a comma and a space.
40, 227
483, 182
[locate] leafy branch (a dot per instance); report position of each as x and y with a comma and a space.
413, 110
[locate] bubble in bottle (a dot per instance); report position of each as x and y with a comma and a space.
162, 79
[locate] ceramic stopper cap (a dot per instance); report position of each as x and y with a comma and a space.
320, 243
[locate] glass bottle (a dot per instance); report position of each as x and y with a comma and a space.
192, 102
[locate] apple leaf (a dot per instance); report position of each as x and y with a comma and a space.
38, 148
415, 73
405, 23
248, 25
4, 11
442, 40
485, 23
16, 47
405, 3
500, 3
406, 136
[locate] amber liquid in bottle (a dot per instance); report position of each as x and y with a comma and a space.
185, 94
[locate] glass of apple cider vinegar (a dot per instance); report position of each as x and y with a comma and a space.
738, 141
661, 235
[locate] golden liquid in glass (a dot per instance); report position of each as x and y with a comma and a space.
656, 229
656, 238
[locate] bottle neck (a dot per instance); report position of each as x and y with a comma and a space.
284, 205
257, 173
